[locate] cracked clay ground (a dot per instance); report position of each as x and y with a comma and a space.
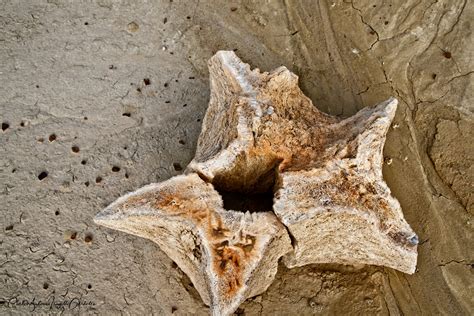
98, 98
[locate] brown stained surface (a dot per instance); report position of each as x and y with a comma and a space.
291, 134
231, 261
61, 76
192, 199
302, 127
228, 262
216, 228
347, 190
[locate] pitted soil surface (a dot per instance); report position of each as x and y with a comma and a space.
98, 98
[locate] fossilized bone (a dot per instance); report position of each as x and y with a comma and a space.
228, 255
261, 134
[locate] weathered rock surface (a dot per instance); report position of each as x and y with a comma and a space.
262, 134
229, 256
341, 210
330, 193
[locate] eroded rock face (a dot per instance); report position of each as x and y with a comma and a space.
262, 135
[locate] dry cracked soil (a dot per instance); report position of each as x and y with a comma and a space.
98, 98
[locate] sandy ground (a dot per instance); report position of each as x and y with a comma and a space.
98, 98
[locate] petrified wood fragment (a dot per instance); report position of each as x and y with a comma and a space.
262, 137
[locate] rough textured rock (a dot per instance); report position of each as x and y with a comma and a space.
229, 256
63, 62
261, 133
341, 210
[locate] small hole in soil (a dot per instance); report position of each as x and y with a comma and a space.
75, 149
132, 27
147, 81
173, 309
37, 86
89, 286
185, 105
86, 23
126, 114
115, 169
188, 17
22, 124
174, 265
111, 67
85, 118
13, 170
88, 238
5, 126
433, 76
52, 137
139, 90
56, 213
192, 78
447, 54
166, 84
86, 183
233, 9
182, 142
42, 175
98, 180
168, 101
45, 286
177, 166
9, 227
126, 176
73, 235
83, 162
165, 20
386, 22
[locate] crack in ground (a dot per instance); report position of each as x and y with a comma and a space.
367, 24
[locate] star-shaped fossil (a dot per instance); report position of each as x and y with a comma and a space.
272, 177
